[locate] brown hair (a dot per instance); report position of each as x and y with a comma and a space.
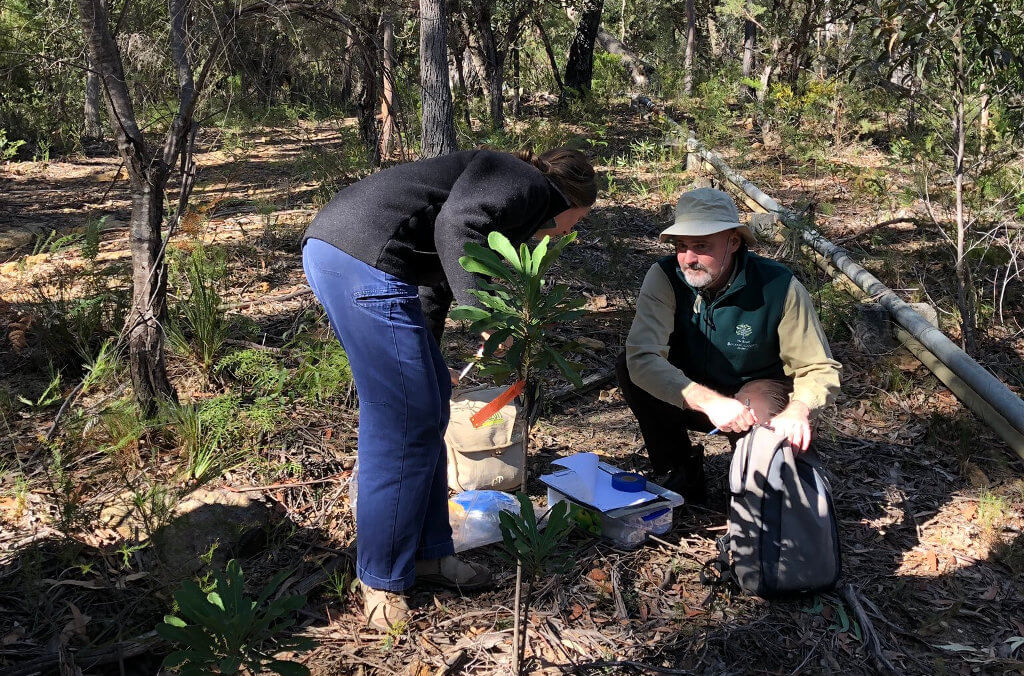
568, 169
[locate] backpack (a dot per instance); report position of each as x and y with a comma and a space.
782, 539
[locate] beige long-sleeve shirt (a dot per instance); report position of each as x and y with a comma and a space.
804, 349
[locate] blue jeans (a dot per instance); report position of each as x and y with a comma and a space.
404, 392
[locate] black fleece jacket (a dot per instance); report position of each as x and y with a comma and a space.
414, 220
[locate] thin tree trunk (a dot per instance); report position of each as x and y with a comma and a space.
148, 174
493, 65
438, 114
346, 69
691, 34
983, 119
622, 22
964, 292
517, 92
149, 293
460, 76
551, 54
145, 335
579, 68
387, 115
749, 44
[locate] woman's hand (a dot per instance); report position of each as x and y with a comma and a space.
502, 349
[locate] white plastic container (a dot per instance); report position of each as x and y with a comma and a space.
628, 527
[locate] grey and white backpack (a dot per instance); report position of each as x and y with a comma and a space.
782, 538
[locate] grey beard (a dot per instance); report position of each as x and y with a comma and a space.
698, 278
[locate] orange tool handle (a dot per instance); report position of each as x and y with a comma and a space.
484, 414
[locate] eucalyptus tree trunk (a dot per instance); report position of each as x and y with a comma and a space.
691, 35
438, 115
93, 128
494, 64
517, 91
387, 115
749, 44
148, 173
551, 55
579, 68
964, 287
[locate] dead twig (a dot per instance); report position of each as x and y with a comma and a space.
267, 299
871, 640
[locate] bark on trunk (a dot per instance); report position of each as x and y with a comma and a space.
579, 68
691, 34
149, 294
493, 61
517, 92
93, 127
387, 115
749, 42
636, 68
346, 70
438, 114
460, 78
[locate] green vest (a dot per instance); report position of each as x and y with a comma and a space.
734, 338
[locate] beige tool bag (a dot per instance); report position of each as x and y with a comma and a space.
488, 457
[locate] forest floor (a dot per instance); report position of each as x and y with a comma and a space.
930, 502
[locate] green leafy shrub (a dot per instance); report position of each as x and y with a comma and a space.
223, 631
519, 305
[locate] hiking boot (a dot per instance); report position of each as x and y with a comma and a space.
687, 478
453, 573
384, 609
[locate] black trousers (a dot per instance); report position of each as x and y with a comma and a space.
665, 426
436, 300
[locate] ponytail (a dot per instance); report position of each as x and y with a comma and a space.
568, 169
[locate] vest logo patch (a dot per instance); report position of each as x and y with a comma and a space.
742, 342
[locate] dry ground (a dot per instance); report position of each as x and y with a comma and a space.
930, 503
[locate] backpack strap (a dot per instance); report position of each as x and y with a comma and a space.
718, 570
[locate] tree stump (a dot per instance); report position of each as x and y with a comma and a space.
871, 331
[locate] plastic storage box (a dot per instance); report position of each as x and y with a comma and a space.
627, 527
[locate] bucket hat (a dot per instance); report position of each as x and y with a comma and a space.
706, 211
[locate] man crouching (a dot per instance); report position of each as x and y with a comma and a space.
722, 338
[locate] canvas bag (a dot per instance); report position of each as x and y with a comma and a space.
489, 457
782, 538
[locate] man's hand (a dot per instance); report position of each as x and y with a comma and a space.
725, 413
794, 423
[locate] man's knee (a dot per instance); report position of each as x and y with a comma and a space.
767, 396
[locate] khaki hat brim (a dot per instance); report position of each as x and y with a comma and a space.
706, 228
